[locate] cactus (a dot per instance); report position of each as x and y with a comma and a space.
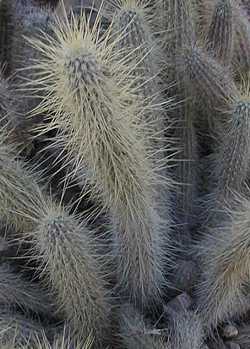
135, 333
186, 331
132, 24
221, 292
61, 244
60, 342
241, 57
181, 17
243, 338
220, 36
124, 180
16, 291
105, 135
17, 330
207, 77
26, 20
11, 118
182, 32
232, 158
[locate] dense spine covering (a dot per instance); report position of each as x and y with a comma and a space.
17, 292
18, 331
243, 337
132, 23
224, 251
135, 333
70, 265
26, 20
97, 115
231, 166
174, 258
209, 79
12, 193
61, 341
62, 246
10, 117
241, 57
186, 331
181, 24
182, 32
220, 36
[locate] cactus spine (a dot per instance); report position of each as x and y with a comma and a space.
61, 244
135, 333
182, 32
210, 79
16, 291
233, 157
98, 120
220, 36
241, 57
186, 331
18, 331
221, 293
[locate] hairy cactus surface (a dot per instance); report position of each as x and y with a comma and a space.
232, 159
124, 174
223, 290
220, 36
63, 247
105, 138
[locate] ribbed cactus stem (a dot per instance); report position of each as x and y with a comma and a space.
233, 158
206, 76
27, 20
4, 34
99, 122
62, 245
241, 57
132, 23
221, 292
220, 36
180, 31
186, 169
181, 23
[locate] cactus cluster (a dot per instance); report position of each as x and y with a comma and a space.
124, 174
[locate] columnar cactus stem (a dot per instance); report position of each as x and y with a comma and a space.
241, 58
98, 122
220, 36
233, 158
62, 245
221, 293
208, 78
